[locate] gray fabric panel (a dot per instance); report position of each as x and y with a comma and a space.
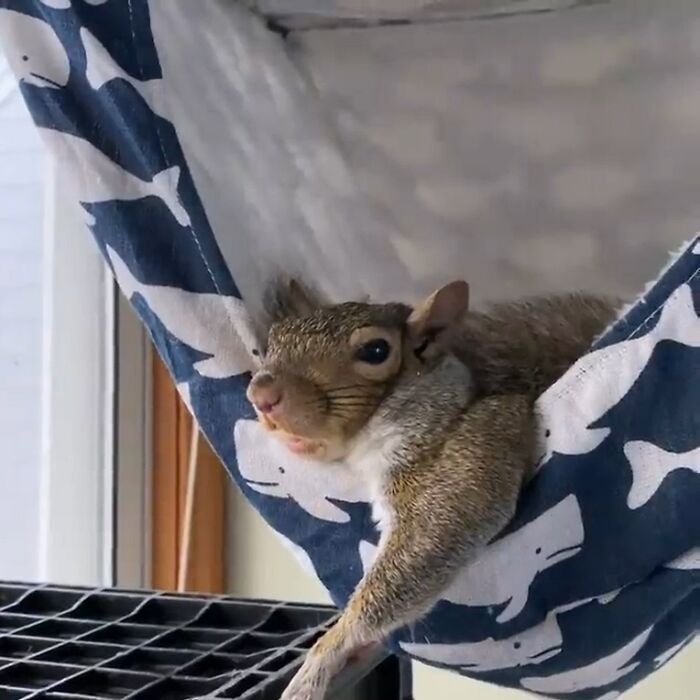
303, 14
264, 156
528, 154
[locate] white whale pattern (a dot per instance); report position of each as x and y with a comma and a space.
667, 655
101, 68
608, 597
57, 4
603, 599
368, 553
533, 646
34, 52
214, 324
599, 380
552, 537
598, 674
105, 181
75, 81
689, 561
65, 4
271, 469
650, 467
530, 647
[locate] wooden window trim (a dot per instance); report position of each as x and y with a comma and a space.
171, 441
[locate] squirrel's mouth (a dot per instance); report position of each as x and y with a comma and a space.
305, 447
315, 448
298, 445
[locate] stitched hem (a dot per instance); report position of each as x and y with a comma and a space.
574, 382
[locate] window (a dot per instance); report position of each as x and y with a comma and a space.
22, 182
64, 335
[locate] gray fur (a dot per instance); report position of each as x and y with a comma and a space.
523, 347
445, 438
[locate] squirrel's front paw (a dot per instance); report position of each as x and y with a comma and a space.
310, 683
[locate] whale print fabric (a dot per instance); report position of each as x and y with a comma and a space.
596, 582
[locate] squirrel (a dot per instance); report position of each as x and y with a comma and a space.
433, 407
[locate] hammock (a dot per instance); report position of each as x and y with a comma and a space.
212, 142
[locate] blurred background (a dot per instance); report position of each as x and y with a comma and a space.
527, 146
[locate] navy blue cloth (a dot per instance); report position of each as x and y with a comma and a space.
594, 585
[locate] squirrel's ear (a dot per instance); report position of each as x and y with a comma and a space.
303, 300
440, 310
290, 298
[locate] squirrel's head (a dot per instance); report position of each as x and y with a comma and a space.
326, 368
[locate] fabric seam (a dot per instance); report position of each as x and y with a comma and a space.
580, 376
161, 146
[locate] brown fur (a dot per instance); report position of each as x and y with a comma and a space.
328, 401
525, 346
451, 413
456, 489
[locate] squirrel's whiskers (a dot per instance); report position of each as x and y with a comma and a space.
432, 407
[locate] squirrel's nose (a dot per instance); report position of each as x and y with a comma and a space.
264, 392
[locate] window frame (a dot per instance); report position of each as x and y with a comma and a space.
95, 464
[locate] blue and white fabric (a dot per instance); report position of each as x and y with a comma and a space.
596, 583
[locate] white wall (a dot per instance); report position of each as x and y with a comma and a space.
22, 170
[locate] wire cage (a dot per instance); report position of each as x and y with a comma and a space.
80, 643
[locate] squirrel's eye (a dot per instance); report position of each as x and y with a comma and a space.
374, 352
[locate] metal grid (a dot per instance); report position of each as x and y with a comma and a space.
71, 643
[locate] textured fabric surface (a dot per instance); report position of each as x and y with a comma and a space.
303, 14
204, 157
